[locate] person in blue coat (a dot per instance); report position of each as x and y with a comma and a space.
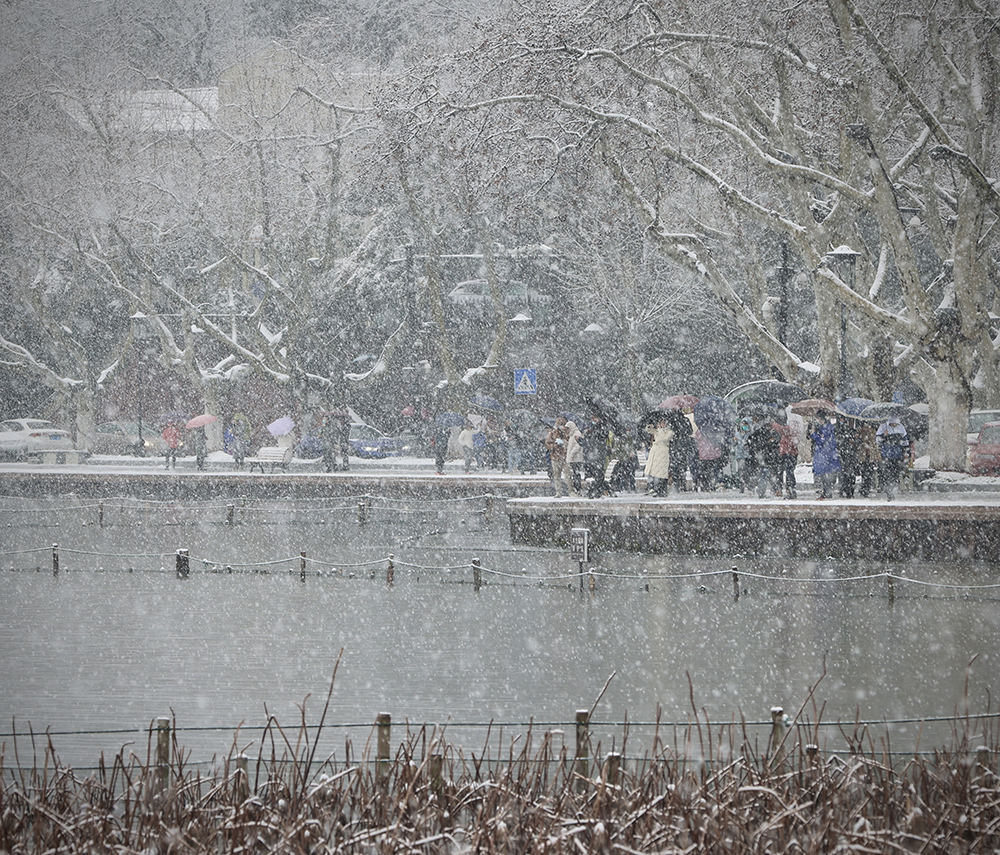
826, 461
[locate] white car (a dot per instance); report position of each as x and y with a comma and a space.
25, 437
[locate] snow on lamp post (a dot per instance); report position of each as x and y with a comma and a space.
845, 261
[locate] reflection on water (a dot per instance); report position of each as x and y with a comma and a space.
91, 650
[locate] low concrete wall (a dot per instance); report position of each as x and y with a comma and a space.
884, 532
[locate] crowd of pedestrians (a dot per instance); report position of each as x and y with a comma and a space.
601, 455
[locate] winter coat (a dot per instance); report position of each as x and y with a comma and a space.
740, 451
707, 450
892, 439
825, 458
595, 444
574, 451
788, 441
467, 438
762, 445
658, 460
556, 441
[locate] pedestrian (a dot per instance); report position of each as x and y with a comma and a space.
172, 437
710, 460
763, 445
440, 440
331, 435
868, 460
557, 443
848, 434
595, 456
826, 462
467, 444
741, 454
788, 457
893, 446
626, 461
681, 446
200, 448
657, 468
574, 454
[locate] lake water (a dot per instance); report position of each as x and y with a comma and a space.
116, 640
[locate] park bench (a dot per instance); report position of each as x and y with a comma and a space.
272, 455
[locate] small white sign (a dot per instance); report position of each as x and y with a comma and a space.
579, 541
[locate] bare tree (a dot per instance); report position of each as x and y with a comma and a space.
826, 125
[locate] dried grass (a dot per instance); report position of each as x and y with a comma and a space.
535, 798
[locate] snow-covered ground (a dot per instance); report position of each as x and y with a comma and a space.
945, 487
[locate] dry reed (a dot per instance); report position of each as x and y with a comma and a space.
711, 789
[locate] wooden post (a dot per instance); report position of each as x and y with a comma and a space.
582, 745
593, 581
778, 726
163, 752
384, 724
891, 586
100, 514
55, 559
612, 766
230, 513
736, 585
477, 574
302, 565
434, 771
488, 515
242, 788
183, 564
390, 572
362, 512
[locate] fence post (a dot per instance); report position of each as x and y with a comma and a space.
242, 789
390, 572
362, 511
384, 724
488, 516
612, 766
302, 565
183, 564
736, 585
100, 514
55, 559
477, 574
779, 724
163, 752
891, 585
230, 513
434, 770
582, 746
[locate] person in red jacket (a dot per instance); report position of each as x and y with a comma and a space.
172, 437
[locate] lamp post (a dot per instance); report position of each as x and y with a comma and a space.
845, 260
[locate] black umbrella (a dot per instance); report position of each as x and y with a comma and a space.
768, 391
450, 419
606, 411
715, 415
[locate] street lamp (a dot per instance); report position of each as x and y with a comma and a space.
845, 260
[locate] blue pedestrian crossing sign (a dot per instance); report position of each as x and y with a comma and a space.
525, 381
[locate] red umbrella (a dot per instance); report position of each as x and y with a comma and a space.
811, 406
200, 421
678, 402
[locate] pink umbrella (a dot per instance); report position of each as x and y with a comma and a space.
678, 402
200, 421
281, 427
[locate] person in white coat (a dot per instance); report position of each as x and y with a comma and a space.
657, 468
574, 454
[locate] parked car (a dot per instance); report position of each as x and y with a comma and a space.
27, 437
984, 458
370, 442
977, 418
123, 438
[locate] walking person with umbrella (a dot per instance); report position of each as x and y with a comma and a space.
893, 443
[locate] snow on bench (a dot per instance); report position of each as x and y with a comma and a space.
273, 455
